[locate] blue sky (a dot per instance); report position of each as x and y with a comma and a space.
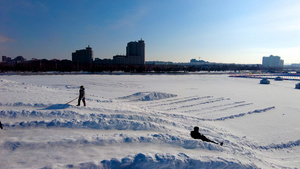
228, 31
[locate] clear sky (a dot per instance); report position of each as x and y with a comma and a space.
228, 31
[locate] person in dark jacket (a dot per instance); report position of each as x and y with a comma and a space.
196, 135
1, 127
81, 96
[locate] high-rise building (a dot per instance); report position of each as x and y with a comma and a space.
83, 56
135, 52
272, 62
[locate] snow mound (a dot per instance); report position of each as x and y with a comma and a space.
147, 96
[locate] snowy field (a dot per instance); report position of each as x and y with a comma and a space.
144, 121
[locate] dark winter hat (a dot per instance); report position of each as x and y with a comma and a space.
81, 86
196, 128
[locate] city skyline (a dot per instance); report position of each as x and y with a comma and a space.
216, 31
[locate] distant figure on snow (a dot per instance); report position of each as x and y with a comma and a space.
1, 125
196, 135
81, 96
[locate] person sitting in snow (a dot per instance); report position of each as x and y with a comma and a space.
196, 135
81, 96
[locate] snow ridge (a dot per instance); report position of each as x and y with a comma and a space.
106, 124
41, 114
92, 121
161, 161
98, 140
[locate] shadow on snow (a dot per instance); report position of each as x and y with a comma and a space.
57, 106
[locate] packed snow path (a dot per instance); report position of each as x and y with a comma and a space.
136, 121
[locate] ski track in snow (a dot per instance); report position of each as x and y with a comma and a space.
162, 113
192, 105
225, 107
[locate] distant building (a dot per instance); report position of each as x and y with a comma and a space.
6, 59
135, 51
135, 54
83, 56
197, 62
295, 65
159, 63
272, 62
19, 59
120, 59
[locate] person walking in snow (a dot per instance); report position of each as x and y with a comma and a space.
1, 125
196, 135
81, 96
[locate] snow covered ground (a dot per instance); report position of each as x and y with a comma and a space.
144, 121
